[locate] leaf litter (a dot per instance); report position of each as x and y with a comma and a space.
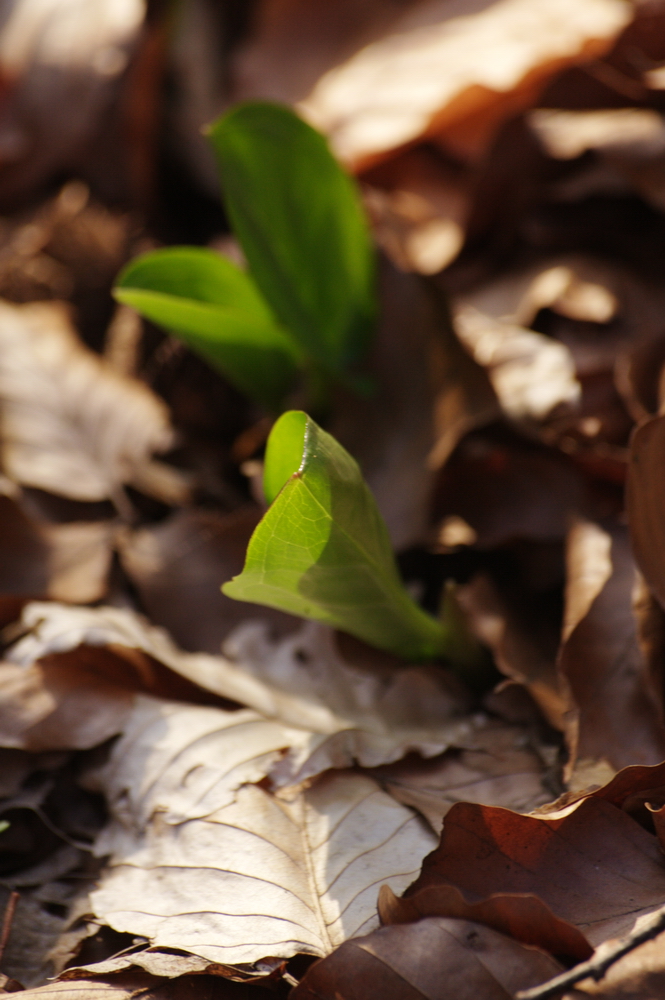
255, 781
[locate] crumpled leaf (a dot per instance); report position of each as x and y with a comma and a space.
135, 982
645, 490
371, 716
615, 717
205, 859
437, 73
70, 425
591, 864
498, 767
433, 959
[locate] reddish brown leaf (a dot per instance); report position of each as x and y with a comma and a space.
616, 717
433, 959
594, 866
646, 501
525, 917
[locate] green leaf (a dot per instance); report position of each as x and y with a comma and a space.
322, 549
301, 224
215, 308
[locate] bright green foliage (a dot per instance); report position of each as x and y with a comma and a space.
308, 303
322, 549
217, 310
302, 228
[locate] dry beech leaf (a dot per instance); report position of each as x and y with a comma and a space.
525, 917
177, 566
615, 717
645, 498
524, 650
63, 65
456, 71
133, 983
531, 374
498, 768
591, 864
433, 959
204, 859
353, 714
70, 425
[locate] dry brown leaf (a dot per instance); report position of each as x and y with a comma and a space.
353, 713
456, 71
204, 859
433, 959
135, 982
616, 717
645, 493
532, 374
591, 864
498, 767
70, 425
62, 66
522, 917
177, 566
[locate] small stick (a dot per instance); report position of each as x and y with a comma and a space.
646, 928
7, 920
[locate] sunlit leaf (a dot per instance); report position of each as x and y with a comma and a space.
302, 227
322, 550
216, 309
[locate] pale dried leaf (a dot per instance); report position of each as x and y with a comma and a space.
204, 859
301, 680
456, 70
70, 424
531, 373
79, 559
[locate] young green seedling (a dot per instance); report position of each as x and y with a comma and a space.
322, 549
307, 304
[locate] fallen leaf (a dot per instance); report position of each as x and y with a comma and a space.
615, 716
135, 982
497, 767
354, 714
432, 959
437, 73
204, 859
593, 865
644, 492
531, 374
430, 392
525, 918
70, 425
177, 567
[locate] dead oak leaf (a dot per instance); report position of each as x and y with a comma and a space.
433, 959
127, 985
352, 714
203, 858
593, 866
69, 423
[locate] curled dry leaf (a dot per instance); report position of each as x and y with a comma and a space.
497, 767
592, 865
353, 714
438, 73
135, 982
433, 959
70, 425
177, 566
645, 494
531, 374
205, 859
615, 717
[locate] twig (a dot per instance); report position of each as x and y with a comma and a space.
7, 920
606, 954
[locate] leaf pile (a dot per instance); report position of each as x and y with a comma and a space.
203, 797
